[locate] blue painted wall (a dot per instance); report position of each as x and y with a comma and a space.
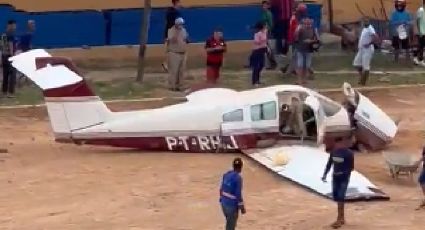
121, 27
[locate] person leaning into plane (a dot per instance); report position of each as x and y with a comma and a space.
231, 194
342, 159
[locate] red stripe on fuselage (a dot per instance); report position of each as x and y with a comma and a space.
178, 144
208, 144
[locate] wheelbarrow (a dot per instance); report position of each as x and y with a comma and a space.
401, 164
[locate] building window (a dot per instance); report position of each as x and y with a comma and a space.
233, 116
265, 111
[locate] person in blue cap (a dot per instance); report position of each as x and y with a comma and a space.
231, 194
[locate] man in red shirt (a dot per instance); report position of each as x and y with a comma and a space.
299, 13
282, 12
215, 47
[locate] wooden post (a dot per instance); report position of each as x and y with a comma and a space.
330, 15
143, 39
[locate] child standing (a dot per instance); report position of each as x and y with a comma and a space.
215, 47
258, 53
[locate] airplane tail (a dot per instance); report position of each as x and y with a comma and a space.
71, 104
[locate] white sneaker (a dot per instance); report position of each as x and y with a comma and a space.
416, 61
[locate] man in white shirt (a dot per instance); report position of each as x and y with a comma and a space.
366, 50
420, 23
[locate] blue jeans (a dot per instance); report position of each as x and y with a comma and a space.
257, 64
231, 213
421, 178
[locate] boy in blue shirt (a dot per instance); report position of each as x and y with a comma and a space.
25, 41
342, 159
231, 194
400, 27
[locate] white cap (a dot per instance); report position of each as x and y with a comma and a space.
179, 21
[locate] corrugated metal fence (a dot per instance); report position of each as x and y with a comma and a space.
122, 27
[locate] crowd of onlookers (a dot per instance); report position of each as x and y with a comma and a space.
283, 21
10, 45
283, 29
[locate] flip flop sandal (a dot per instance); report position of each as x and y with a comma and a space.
337, 225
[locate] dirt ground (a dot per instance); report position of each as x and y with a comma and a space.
46, 185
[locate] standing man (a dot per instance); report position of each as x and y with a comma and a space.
420, 24
304, 39
267, 18
342, 159
24, 45
298, 15
365, 51
176, 48
282, 12
215, 47
400, 27
25, 41
231, 194
8, 49
171, 15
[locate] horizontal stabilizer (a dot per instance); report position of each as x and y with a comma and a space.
25, 62
49, 77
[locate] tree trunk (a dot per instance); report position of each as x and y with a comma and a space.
330, 15
143, 39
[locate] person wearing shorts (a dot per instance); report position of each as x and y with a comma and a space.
421, 179
400, 26
365, 51
342, 159
304, 38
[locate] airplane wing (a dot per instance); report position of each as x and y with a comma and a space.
305, 165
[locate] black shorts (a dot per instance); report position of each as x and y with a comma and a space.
421, 40
339, 187
398, 43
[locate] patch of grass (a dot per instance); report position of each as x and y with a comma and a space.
154, 87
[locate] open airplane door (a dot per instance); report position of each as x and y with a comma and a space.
319, 115
373, 127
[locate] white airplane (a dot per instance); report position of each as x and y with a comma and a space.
217, 119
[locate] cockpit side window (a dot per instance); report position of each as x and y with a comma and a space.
265, 111
236, 115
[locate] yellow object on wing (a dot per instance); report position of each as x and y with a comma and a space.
280, 159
